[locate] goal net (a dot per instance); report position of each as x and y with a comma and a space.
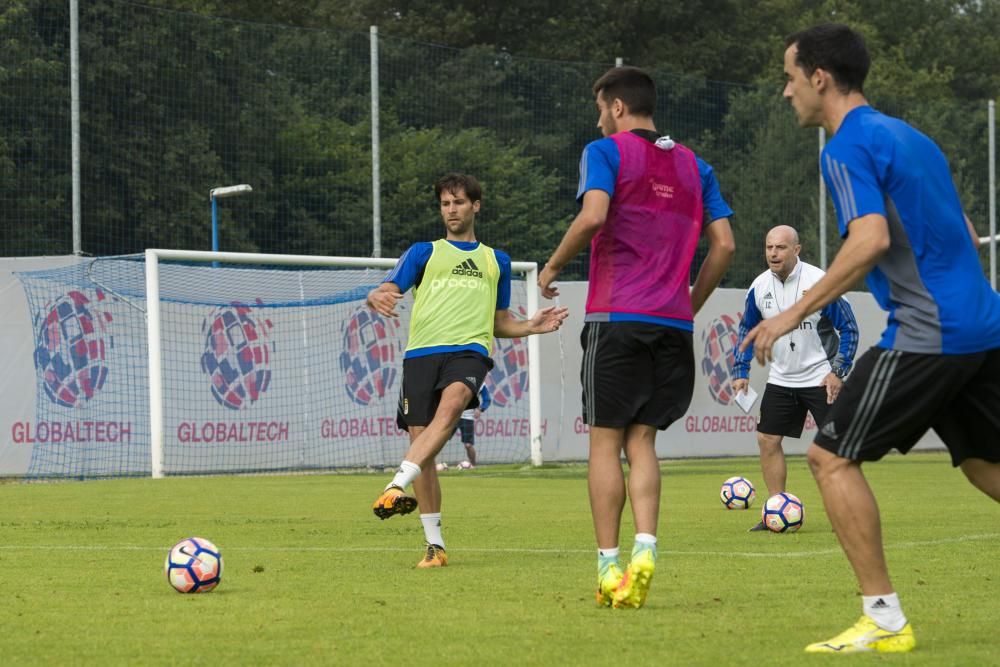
181, 362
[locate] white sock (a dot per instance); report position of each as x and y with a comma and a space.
644, 541
884, 610
405, 475
605, 559
432, 528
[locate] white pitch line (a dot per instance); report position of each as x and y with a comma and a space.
502, 550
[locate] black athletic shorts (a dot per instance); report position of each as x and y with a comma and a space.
467, 428
425, 377
892, 398
783, 409
635, 373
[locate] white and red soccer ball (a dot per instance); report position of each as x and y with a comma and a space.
737, 493
783, 513
194, 565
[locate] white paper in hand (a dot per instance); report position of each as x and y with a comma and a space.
746, 399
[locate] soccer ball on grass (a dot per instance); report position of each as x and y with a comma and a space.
194, 565
737, 493
783, 513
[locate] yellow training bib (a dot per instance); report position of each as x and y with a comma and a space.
456, 300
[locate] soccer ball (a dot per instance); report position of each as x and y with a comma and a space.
194, 565
464, 465
440, 467
737, 493
783, 513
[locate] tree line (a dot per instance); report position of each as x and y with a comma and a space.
179, 96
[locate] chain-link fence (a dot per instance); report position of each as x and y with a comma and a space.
174, 104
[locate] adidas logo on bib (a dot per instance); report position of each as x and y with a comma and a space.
467, 268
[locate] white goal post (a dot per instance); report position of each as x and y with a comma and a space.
157, 407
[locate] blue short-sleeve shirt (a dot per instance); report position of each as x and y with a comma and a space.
930, 280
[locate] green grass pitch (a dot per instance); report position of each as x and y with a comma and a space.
312, 577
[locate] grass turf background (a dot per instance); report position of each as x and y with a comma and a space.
312, 577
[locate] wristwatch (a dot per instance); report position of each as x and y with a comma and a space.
840, 372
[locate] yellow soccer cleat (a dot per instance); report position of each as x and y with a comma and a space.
393, 501
634, 586
607, 585
435, 557
864, 636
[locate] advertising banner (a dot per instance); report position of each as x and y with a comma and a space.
251, 383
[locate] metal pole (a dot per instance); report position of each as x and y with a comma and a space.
74, 121
164, 254
822, 202
154, 359
534, 374
376, 147
992, 116
219, 193
215, 225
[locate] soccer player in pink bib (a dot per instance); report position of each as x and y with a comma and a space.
646, 201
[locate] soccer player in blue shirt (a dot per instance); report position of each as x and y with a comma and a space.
938, 362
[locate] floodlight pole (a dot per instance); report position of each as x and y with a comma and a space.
376, 148
74, 118
219, 193
991, 112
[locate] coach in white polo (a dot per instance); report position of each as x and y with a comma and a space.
809, 362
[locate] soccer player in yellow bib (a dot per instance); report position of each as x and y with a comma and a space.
461, 296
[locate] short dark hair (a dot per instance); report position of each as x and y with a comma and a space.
454, 181
632, 86
836, 48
